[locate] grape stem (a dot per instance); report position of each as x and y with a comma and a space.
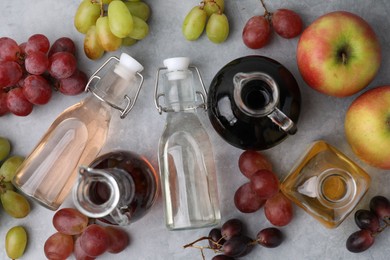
267, 14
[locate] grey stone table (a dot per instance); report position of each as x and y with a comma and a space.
322, 117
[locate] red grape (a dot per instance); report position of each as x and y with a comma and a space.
119, 239
360, 241
63, 44
58, 246
74, 84
237, 246
37, 90
381, 207
252, 161
10, 73
3, 103
94, 240
366, 219
270, 237
37, 42
62, 65
9, 49
256, 32
70, 221
222, 257
246, 200
232, 227
36, 63
215, 238
265, 183
79, 253
17, 103
287, 23
22, 48
278, 210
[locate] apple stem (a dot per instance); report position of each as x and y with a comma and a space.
344, 58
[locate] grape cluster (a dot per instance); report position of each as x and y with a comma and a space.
258, 29
14, 204
76, 234
109, 24
262, 190
371, 222
230, 240
29, 71
209, 15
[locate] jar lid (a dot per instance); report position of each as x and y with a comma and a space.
176, 67
128, 66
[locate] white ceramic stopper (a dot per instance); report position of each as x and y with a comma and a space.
176, 67
128, 66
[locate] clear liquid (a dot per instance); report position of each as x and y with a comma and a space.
75, 138
188, 173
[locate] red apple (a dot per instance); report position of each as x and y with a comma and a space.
367, 127
338, 54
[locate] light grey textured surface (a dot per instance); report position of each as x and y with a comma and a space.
322, 117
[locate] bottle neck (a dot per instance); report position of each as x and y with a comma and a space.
179, 91
99, 193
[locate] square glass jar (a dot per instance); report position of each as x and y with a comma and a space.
326, 184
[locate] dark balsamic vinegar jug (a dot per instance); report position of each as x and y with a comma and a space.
254, 103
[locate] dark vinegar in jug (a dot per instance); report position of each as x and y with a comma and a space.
251, 131
141, 172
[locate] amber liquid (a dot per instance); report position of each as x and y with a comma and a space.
140, 171
75, 138
241, 130
326, 184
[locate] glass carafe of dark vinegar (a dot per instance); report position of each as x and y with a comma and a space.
78, 134
254, 103
118, 187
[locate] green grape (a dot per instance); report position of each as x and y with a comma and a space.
217, 28
15, 242
9, 167
15, 204
5, 148
92, 47
86, 15
7, 185
214, 6
128, 41
194, 23
140, 30
106, 1
139, 9
120, 19
107, 39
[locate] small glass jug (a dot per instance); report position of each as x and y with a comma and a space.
254, 103
117, 188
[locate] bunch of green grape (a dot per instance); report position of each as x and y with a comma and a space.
110, 24
14, 204
209, 15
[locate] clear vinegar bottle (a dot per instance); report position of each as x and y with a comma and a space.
186, 160
78, 134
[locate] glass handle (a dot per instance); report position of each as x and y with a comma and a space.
119, 217
285, 123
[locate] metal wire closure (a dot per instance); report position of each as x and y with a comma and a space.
129, 104
157, 95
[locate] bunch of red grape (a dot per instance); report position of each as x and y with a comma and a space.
230, 241
29, 71
371, 222
87, 241
257, 31
262, 189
